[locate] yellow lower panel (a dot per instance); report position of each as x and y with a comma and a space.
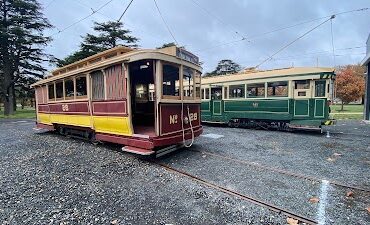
74, 120
103, 124
43, 118
112, 125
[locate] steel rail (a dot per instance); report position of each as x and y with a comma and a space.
285, 172
239, 195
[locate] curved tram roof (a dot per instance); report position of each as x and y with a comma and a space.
117, 55
255, 74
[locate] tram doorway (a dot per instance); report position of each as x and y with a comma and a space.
143, 96
216, 101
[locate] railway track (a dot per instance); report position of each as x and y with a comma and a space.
285, 172
272, 207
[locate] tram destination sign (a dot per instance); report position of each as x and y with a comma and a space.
187, 56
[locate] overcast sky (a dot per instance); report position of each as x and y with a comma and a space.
204, 26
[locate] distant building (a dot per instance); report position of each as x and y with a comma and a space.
366, 62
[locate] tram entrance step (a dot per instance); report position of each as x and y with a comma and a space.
138, 151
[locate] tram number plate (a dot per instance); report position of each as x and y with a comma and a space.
174, 118
65, 108
255, 104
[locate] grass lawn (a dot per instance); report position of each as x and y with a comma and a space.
347, 108
26, 113
353, 112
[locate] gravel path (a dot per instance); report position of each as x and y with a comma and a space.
50, 179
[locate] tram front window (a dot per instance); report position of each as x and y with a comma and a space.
171, 79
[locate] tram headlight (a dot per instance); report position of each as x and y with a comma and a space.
186, 120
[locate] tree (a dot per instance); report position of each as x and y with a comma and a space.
170, 44
110, 34
21, 45
350, 83
225, 66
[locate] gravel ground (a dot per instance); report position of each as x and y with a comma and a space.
51, 179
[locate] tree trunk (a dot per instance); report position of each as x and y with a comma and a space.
14, 98
341, 109
8, 105
9, 98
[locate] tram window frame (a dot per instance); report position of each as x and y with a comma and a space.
322, 91
190, 81
59, 90
297, 84
51, 91
97, 85
197, 85
233, 89
176, 90
273, 88
70, 97
258, 87
77, 87
207, 94
226, 92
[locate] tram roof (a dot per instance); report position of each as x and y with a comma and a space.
122, 54
253, 74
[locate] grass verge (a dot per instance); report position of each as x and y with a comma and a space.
26, 113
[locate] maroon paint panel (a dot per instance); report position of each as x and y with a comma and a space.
43, 108
176, 138
81, 108
110, 108
151, 143
170, 115
135, 142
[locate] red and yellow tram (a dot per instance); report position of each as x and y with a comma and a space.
147, 100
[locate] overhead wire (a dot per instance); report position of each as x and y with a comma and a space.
292, 42
332, 41
220, 20
165, 23
128, 6
255, 36
82, 19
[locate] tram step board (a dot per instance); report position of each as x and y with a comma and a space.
139, 151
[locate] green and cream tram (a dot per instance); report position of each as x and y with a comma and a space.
280, 98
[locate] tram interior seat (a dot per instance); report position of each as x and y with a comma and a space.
142, 97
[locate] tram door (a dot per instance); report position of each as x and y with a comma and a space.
142, 96
216, 102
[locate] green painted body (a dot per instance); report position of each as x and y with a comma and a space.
302, 112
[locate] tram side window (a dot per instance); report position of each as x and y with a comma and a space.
277, 89
69, 91
188, 81
98, 89
171, 80
237, 91
256, 90
51, 92
59, 90
81, 87
320, 88
206, 93
302, 84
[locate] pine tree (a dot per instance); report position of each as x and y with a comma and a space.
225, 66
109, 35
21, 45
